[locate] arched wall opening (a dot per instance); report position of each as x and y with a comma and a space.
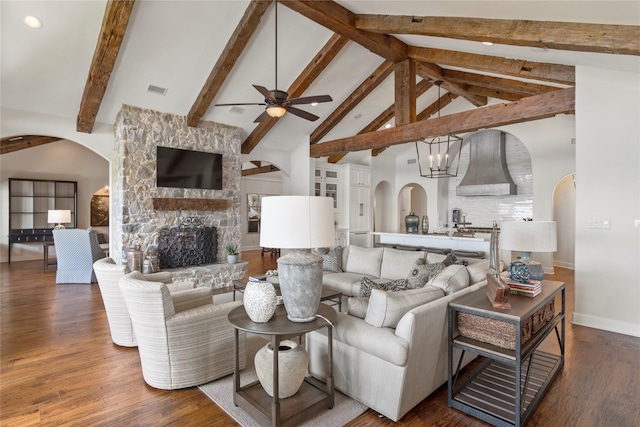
411, 198
63, 160
564, 213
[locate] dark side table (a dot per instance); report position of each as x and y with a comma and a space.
312, 396
507, 385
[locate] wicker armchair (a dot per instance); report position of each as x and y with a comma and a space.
179, 349
76, 251
109, 274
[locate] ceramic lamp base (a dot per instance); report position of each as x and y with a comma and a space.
300, 274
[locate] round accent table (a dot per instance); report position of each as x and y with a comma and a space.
313, 394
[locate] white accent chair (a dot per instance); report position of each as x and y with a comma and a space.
179, 349
109, 274
76, 251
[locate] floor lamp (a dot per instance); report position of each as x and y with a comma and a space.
298, 223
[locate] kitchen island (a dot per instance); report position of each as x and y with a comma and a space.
433, 241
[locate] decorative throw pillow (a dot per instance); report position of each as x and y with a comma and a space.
421, 272
331, 258
367, 285
357, 306
452, 259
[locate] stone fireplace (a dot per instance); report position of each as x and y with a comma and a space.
141, 210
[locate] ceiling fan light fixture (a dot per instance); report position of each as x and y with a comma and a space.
276, 111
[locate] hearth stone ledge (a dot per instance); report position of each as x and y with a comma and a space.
213, 276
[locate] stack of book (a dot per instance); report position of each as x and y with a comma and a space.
530, 288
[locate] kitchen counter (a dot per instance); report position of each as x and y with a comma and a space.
434, 241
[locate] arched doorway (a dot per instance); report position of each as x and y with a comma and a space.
564, 213
411, 198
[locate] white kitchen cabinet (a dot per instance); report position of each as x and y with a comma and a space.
359, 177
359, 208
327, 183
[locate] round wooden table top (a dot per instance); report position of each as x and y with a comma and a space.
279, 324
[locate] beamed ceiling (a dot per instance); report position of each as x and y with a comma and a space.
380, 61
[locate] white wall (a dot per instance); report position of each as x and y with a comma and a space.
607, 272
60, 160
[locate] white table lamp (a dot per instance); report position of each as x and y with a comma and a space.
59, 216
298, 223
528, 237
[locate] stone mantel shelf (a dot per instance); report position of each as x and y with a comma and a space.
191, 204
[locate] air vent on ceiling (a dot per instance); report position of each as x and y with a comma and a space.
157, 90
237, 110
411, 161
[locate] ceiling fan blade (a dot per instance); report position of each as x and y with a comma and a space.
265, 92
303, 114
309, 99
239, 103
262, 117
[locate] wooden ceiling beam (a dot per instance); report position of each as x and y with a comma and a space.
370, 83
382, 119
436, 106
495, 93
114, 25
435, 73
260, 170
572, 36
498, 83
405, 92
227, 59
17, 143
341, 20
297, 88
564, 74
528, 109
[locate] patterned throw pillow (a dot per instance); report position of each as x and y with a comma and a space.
421, 272
366, 285
331, 258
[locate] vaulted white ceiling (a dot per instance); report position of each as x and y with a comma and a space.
175, 44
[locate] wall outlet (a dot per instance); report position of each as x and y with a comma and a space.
602, 223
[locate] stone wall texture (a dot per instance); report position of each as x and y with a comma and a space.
137, 133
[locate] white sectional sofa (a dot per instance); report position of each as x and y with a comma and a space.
390, 351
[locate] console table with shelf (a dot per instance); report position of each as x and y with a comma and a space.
507, 385
29, 203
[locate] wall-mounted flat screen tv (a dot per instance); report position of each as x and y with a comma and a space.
179, 168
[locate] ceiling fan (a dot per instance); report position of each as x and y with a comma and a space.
278, 101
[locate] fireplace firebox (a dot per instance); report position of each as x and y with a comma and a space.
187, 246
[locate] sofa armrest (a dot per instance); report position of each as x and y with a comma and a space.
192, 298
161, 276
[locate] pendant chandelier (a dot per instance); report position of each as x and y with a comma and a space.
442, 153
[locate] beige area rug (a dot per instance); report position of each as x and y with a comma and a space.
220, 391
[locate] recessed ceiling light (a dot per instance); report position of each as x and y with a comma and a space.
32, 22
487, 43
357, 116
387, 126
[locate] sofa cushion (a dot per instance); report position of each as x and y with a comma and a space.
347, 283
478, 270
396, 264
365, 261
421, 272
433, 258
367, 285
387, 308
379, 342
452, 279
357, 306
331, 258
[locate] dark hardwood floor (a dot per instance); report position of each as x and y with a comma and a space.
59, 367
